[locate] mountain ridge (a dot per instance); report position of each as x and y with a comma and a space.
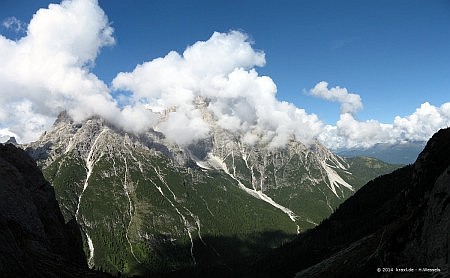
397, 221
398, 153
142, 184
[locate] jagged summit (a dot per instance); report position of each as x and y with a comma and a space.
63, 117
12, 140
209, 153
150, 198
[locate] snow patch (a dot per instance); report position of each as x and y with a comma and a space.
89, 166
185, 222
334, 179
130, 204
220, 164
91, 250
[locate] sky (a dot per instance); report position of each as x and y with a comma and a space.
350, 73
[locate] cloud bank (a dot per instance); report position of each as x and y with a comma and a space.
419, 126
212, 83
48, 70
220, 71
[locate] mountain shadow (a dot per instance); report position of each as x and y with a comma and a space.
396, 224
219, 256
34, 239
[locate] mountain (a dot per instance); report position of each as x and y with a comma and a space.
396, 223
35, 241
399, 153
146, 205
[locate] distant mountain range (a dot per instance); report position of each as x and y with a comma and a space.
399, 153
146, 205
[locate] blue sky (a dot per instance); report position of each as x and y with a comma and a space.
394, 54
389, 52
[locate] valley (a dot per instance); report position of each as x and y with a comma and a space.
146, 205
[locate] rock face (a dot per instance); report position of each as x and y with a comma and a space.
147, 205
34, 239
397, 223
12, 140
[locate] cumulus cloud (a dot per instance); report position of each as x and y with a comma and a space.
349, 132
425, 121
350, 103
221, 72
419, 126
48, 70
5, 134
212, 83
14, 24
184, 127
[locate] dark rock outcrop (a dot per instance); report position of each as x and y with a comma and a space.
12, 140
34, 240
396, 224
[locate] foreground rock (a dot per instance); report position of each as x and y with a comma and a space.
34, 239
396, 224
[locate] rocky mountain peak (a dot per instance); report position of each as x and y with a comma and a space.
154, 194
11, 140
63, 117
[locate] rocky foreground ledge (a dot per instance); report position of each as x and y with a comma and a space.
34, 239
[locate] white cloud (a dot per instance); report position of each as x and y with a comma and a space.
184, 127
29, 123
222, 72
425, 121
419, 126
350, 103
48, 70
351, 133
14, 24
5, 134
